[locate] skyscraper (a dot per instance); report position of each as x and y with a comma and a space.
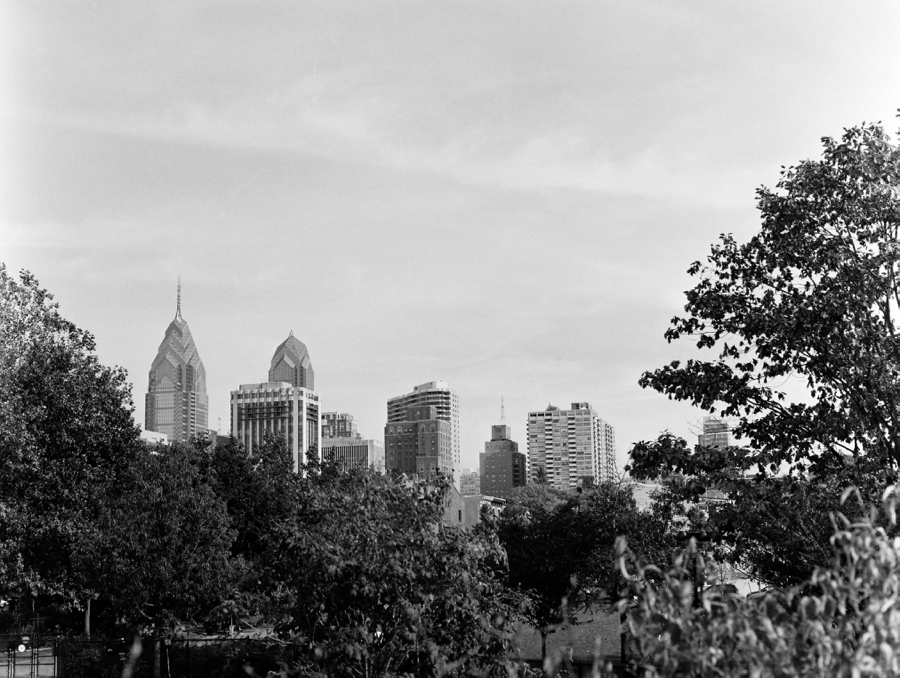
285, 406
571, 446
435, 394
716, 433
502, 466
291, 364
420, 443
176, 403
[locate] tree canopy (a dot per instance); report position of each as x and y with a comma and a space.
373, 584
809, 303
65, 427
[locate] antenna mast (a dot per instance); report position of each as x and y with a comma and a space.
178, 303
502, 411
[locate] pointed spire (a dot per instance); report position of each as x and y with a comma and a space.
178, 303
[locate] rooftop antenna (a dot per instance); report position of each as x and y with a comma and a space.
178, 304
502, 411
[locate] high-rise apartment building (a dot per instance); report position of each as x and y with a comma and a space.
571, 447
420, 443
291, 364
435, 394
284, 406
338, 425
502, 466
176, 403
716, 433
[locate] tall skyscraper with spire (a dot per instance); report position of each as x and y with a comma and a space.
176, 402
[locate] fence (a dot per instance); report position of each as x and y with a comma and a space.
55, 657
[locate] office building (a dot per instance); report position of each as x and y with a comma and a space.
291, 364
176, 403
571, 447
338, 425
435, 394
284, 406
716, 433
469, 483
354, 452
502, 466
279, 409
419, 444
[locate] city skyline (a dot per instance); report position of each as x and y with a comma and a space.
504, 197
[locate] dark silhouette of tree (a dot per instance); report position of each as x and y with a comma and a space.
66, 429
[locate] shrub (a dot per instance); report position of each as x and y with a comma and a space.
844, 621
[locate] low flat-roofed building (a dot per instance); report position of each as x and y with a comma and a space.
355, 452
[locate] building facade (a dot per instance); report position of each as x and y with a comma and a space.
280, 409
419, 444
501, 465
570, 447
716, 433
338, 425
176, 403
354, 452
435, 394
469, 483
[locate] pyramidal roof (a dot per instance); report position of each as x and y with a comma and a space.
178, 347
291, 363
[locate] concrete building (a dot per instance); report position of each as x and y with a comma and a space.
279, 409
572, 447
355, 452
435, 394
176, 403
469, 483
338, 425
421, 443
502, 466
716, 433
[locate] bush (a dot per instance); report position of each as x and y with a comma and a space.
844, 621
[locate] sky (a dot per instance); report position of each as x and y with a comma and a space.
505, 196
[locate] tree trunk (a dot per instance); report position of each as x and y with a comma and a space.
87, 618
543, 645
157, 659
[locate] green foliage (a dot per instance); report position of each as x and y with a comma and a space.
801, 326
848, 626
159, 551
65, 429
813, 295
561, 550
372, 584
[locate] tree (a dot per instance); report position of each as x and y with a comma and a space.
66, 427
802, 323
814, 295
561, 549
372, 584
159, 550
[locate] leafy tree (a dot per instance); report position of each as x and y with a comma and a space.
372, 584
66, 428
801, 323
561, 549
258, 489
160, 548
